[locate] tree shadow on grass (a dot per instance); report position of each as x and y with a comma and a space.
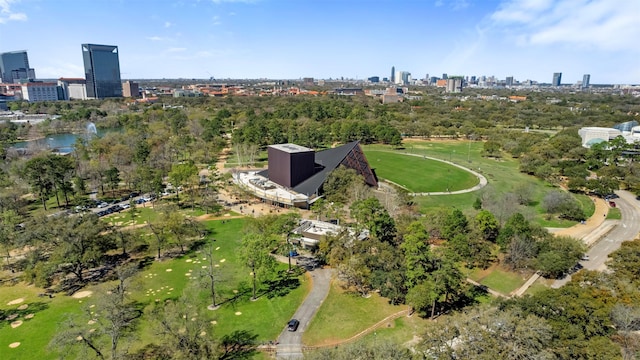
240, 344
9, 316
283, 284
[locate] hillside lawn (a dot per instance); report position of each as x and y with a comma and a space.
418, 174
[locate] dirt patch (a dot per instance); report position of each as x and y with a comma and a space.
16, 323
23, 307
14, 345
82, 294
16, 301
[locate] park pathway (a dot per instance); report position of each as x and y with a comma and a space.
290, 342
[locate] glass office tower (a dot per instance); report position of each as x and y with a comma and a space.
14, 65
102, 71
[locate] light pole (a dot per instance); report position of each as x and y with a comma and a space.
289, 251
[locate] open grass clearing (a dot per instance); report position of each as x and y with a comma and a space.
498, 279
502, 174
614, 214
418, 174
343, 315
265, 317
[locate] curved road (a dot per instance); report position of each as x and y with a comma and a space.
290, 342
627, 229
482, 181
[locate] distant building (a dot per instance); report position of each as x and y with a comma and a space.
557, 79
14, 66
39, 91
308, 81
586, 78
445, 76
454, 84
509, 81
72, 88
393, 74
130, 89
102, 71
348, 91
374, 79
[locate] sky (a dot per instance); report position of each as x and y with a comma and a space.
291, 39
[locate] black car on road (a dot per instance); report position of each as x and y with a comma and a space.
292, 325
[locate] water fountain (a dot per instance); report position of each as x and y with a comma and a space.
91, 130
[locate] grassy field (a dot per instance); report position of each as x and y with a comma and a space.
498, 279
417, 174
343, 315
502, 174
614, 214
163, 280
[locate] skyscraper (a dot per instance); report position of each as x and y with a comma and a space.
393, 74
509, 81
14, 65
586, 78
557, 79
102, 71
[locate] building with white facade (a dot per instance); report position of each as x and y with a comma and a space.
630, 131
39, 91
73, 88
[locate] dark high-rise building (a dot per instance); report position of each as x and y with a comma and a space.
557, 79
393, 74
374, 79
102, 71
445, 76
586, 78
509, 81
14, 66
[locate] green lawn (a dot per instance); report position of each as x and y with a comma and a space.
343, 315
265, 317
417, 174
502, 174
614, 214
502, 281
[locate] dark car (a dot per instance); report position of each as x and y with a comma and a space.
292, 325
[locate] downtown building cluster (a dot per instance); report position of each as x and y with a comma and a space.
455, 84
102, 78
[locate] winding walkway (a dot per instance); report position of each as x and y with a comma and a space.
482, 181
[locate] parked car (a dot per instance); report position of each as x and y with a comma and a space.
102, 205
292, 325
125, 206
612, 204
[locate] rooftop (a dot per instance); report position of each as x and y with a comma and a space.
290, 148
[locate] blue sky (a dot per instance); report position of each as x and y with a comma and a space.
527, 39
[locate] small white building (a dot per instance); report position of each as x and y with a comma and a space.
39, 91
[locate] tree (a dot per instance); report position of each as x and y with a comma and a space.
78, 242
181, 174
455, 223
255, 254
487, 225
417, 257
558, 254
186, 331
113, 319
37, 175
374, 217
626, 260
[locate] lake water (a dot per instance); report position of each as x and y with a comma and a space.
62, 143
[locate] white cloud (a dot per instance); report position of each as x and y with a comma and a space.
608, 25
157, 38
167, 24
7, 14
216, 20
176, 49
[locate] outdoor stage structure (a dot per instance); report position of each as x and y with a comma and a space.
296, 174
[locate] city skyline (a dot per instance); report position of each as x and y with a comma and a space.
288, 39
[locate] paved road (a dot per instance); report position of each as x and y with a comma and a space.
627, 229
290, 342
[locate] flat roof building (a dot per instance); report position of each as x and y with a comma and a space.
14, 66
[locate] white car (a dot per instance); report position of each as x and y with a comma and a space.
102, 205
125, 206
